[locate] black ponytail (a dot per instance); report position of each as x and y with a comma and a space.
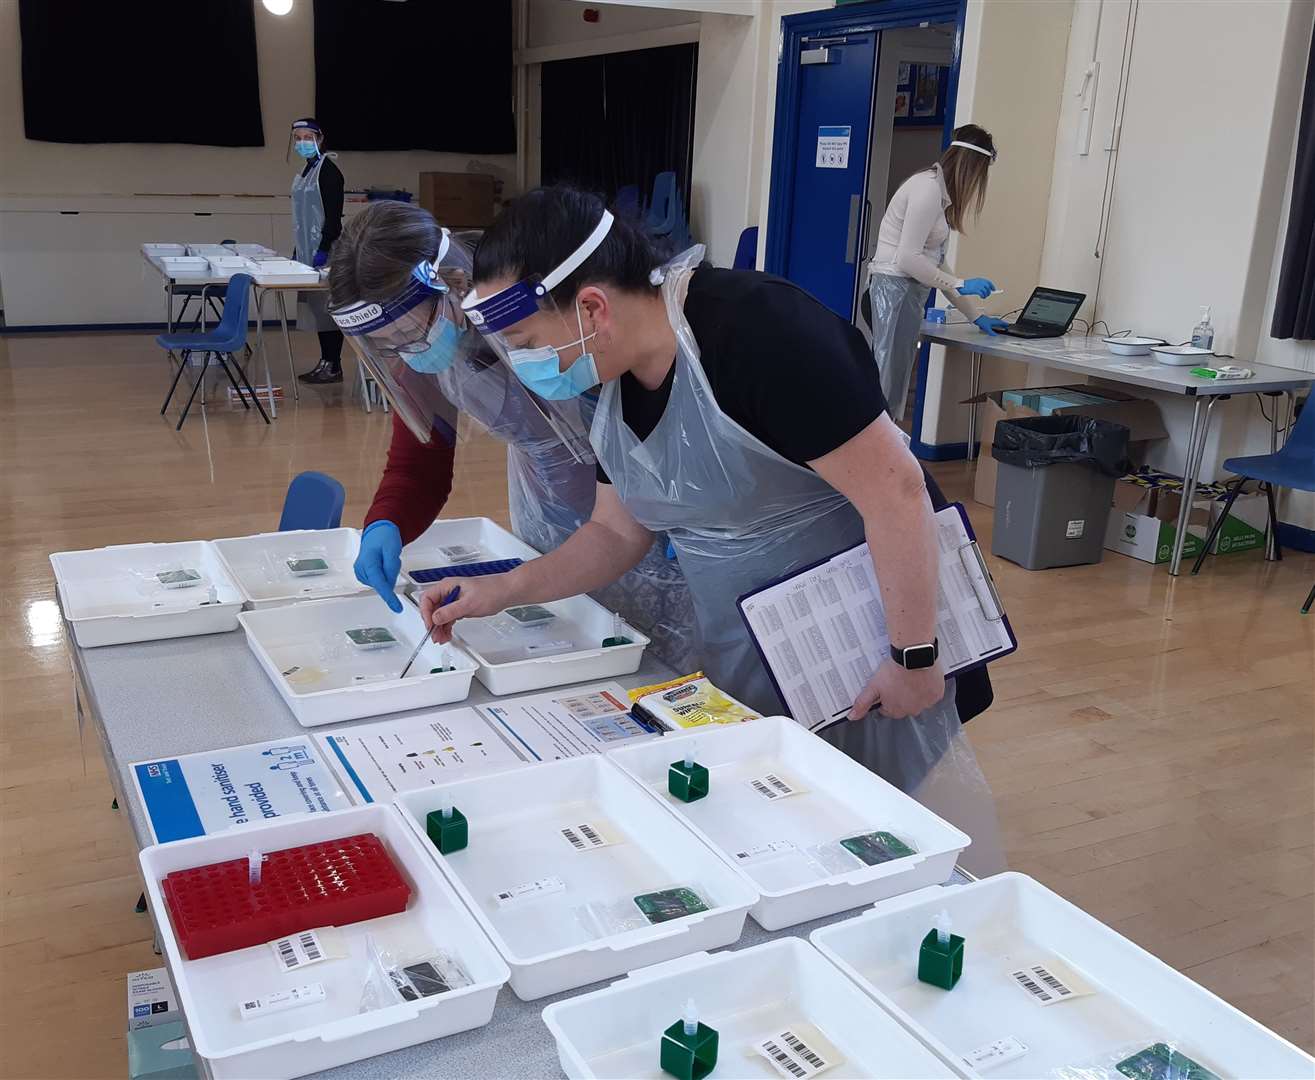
537, 232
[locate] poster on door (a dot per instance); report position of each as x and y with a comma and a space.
833, 146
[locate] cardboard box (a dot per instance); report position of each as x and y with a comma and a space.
459, 200
1144, 521
151, 999
1141, 417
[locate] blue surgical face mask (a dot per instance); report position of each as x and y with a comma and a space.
307, 148
540, 369
440, 353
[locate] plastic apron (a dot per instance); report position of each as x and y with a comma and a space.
741, 516
307, 228
897, 309
551, 494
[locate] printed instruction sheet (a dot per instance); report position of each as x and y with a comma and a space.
569, 723
823, 632
198, 794
380, 760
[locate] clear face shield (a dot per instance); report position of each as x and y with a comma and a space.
407, 341
548, 348
302, 136
419, 348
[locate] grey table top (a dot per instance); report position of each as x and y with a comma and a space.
1089, 356
189, 695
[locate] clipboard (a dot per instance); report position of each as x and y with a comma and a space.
820, 631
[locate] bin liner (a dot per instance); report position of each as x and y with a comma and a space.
1035, 442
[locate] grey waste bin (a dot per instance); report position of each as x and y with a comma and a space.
1054, 487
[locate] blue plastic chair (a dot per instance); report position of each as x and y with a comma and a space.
627, 203
314, 501
746, 251
221, 344
1292, 467
666, 215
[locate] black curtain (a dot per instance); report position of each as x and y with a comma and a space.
620, 119
421, 75
1294, 305
98, 72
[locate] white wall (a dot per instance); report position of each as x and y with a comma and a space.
561, 22
286, 64
1198, 198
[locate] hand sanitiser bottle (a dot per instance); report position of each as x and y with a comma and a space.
1203, 334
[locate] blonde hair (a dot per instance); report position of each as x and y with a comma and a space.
965, 173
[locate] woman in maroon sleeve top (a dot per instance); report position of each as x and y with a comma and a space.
396, 283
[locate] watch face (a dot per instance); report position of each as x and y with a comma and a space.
919, 656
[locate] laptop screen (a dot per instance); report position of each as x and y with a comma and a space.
1051, 307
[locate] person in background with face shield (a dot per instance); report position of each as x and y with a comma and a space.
317, 198
738, 415
396, 283
910, 257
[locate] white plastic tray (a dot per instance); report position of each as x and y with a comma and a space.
284, 272
111, 595
498, 643
254, 249
184, 264
747, 996
259, 565
1010, 921
158, 250
206, 250
228, 264
837, 798
493, 541
312, 637
314, 1037
551, 944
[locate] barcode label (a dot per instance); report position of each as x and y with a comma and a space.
798, 1056
995, 1053
585, 837
772, 787
758, 852
529, 889
1045, 987
298, 950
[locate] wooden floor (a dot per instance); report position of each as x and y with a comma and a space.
1151, 746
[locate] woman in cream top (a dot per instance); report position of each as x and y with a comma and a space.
910, 256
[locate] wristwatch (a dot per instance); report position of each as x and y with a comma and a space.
916, 656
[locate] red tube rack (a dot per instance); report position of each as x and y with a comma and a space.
216, 909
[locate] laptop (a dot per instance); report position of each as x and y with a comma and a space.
1049, 313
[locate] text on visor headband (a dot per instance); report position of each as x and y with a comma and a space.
520, 301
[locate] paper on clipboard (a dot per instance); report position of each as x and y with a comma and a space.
822, 633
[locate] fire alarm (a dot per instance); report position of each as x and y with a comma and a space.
592, 14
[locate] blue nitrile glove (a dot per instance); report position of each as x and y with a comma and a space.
322, 259
975, 286
380, 560
989, 324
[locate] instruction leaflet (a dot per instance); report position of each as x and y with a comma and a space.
568, 723
381, 760
198, 794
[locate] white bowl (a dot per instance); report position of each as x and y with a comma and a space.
1131, 346
1179, 355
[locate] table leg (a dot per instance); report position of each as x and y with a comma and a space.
1274, 442
259, 295
1191, 475
975, 386
287, 341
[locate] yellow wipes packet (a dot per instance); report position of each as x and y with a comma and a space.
690, 701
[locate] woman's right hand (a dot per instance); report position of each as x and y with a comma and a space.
979, 287
476, 596
989, 324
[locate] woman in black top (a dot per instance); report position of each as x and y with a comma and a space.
740, 416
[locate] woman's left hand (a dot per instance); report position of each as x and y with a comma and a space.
899, 692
